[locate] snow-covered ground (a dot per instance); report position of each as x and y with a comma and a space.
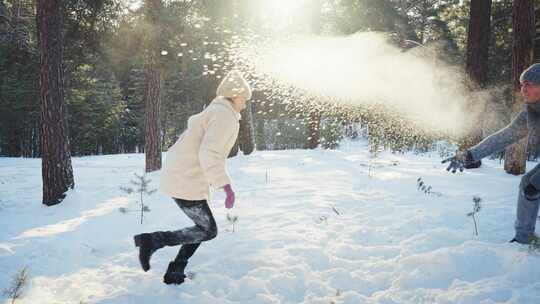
313, 227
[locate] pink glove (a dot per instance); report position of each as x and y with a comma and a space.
229, 201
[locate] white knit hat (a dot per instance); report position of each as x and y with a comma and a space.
234, 85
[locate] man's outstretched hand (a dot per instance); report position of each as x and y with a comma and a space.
458, 161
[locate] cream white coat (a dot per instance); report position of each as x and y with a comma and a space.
197, 161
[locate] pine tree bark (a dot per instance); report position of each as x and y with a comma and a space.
234, 150
314, 118
57, 171
3, 21
523, 31
478, 41
477, 67
314, 123
260, 137
152, 148
246, 142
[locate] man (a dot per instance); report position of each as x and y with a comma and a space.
527, 123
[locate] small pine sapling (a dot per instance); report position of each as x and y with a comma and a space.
322, 219
15, 291
374, 151
476, 208
337, 295
427, 189
141, 185
422, 185
232, 219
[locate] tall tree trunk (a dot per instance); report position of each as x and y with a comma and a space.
3, 21
478, 41
18, 33
477, 67
152, 96
36, 139
56, 158
234, 150
246, 142
537, 36
260, 137
314, 118
522, 56
222, 11
314, 123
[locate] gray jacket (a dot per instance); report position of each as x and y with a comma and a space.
526, 123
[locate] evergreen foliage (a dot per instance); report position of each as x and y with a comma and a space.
104, 64
141, 186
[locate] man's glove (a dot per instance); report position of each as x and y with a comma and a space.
229, 201
531, 193
458, 161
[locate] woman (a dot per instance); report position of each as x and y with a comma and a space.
193, 164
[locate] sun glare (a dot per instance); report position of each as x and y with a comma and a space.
364, 68
133, 4
280, 10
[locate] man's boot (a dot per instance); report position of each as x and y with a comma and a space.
175, 273
533, 240
147, 247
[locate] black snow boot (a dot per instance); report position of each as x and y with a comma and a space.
147, 247
175, 273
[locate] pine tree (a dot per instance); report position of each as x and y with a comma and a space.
152, 148
56, 157
476, 66
523, 30
476, 208
141, 186
314, 116
15, 291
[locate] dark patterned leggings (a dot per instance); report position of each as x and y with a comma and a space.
191, 237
